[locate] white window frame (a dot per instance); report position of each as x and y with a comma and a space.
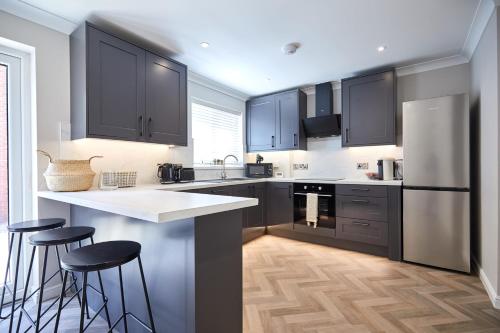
20, 60
240, 165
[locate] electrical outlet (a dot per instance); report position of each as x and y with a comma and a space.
300, 166
362, 165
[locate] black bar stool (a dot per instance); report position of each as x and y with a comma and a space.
98, 257
21, 228
56, 237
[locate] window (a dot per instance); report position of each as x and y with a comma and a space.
216, 133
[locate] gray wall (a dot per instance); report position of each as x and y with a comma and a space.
484, 96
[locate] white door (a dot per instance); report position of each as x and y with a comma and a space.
11, 140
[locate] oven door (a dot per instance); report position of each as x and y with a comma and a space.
326, 210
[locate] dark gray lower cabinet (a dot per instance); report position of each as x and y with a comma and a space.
367, 208
256, 215
279, 203
370, 232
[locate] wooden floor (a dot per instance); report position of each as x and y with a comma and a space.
291, 286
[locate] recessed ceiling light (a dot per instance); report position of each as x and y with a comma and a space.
381, 48
204, 44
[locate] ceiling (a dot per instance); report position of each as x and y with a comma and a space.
337, 37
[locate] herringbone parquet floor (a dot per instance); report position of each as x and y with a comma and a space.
291, 286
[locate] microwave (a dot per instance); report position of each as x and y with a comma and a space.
259, 170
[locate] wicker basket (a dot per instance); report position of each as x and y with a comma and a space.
69, 175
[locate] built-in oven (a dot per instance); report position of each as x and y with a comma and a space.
326, 208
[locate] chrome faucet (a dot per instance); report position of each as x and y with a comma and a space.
223, 174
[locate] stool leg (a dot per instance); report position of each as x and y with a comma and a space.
26, 286
14, 291
124, 312
6, 274
102, 292
42, 285
59, 264
151, 321
84, 302
74, 280
61, 301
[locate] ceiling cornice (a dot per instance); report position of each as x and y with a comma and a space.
216, 86
38, 15
484, 10
432, 65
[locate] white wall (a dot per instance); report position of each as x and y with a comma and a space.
485, 154
327, 158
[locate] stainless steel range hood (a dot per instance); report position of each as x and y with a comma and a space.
325, 123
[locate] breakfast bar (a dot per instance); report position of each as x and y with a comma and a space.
191, 252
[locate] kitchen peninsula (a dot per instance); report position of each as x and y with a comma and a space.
191, 250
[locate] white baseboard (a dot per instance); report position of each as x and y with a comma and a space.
494, 298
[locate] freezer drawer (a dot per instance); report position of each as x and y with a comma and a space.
436, 228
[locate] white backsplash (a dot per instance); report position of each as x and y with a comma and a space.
326, 158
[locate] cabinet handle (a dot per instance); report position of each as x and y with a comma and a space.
149, 126
295, 139
272, 141
360, 189
360, 201
141, 121
346, 135
361, 224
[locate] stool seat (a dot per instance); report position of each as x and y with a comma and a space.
61, 236
36, 225
100, 256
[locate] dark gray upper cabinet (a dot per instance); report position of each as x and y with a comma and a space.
261, 129
274, 122
369, 110
125, 90
165, 101
279, 204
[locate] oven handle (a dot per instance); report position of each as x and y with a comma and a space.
319, 195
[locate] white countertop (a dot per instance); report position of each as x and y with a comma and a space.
150, 204
163, 203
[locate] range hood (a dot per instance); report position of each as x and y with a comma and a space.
325, 123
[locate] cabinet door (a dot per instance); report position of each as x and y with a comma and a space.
287, 120
369, 110
261, 129
244, 192
279, 203
115, 87
256, 217
166, 101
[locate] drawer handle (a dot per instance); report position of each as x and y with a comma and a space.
360, 189
360, 201
361, 224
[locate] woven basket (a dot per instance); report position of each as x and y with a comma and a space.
69, 175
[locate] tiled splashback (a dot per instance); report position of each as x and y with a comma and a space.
326, 158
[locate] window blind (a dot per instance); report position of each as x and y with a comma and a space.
216, 133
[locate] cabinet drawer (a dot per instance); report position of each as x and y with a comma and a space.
370, 232
366, 208
362, 190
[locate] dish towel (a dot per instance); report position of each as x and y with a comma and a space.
312, 209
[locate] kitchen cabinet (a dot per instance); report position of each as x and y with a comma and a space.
369, 110
274, 122
279, 204
125, 90
256, 214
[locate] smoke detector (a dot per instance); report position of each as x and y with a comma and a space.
290, 48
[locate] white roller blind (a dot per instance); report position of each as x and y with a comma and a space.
216, 133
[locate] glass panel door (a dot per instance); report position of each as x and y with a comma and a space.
4, 177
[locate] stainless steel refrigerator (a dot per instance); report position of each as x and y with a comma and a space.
436, 196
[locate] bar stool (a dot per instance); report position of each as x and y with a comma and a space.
101, 256
56, 237
21, 228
